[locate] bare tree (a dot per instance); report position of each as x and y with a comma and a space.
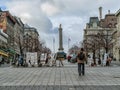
74, 49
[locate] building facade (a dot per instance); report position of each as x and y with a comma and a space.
98, 35
3, 46
18, 37
31, 41
33, 35
7, 23
117, 43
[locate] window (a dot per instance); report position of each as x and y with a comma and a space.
109, 25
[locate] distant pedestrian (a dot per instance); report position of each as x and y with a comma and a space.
96, 59
109, 59
105, 59
69, 57
3, 60
60, 62
90, 61
29, 62
81, 59
54, 59
46, 61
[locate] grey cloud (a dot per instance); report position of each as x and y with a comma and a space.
31, 13
83, 7
73, 14
53, 31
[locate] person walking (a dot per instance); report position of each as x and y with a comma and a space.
46, 61
81, 58
90, 61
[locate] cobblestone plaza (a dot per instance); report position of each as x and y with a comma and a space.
60, 78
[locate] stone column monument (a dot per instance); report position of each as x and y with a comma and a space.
60, 39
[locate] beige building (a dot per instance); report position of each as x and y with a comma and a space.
98, 35
117, 43
31, 40
18, 36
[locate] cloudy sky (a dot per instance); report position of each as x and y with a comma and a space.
46, 15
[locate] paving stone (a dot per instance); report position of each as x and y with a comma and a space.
42, 87
79, 88
63, 78
27, 88
71, 88
86, 87
107, 88
35, 88
50, 88
12, 88
64, 88
114, 87
20, 87
2, 88
57, 87
99, 88
6, 88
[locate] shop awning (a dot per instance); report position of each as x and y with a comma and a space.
3, 53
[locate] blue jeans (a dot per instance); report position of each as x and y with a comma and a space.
81, 68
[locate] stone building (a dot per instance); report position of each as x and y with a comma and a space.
31, 42
3, 44
109, 21
90, 33
117, 38
7, 23
98, 35
33, 37
18, 37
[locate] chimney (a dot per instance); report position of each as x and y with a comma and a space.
100, 12
108, 11
0, 10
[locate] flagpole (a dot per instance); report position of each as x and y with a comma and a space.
54, 45
68, 44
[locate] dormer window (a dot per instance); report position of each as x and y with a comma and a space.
94, 25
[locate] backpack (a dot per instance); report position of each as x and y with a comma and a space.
81, 56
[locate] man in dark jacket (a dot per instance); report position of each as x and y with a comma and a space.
81, 59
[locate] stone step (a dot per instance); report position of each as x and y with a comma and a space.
62, 87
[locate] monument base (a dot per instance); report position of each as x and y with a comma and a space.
61, 55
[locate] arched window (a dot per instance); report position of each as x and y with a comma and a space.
115, 25
110, 25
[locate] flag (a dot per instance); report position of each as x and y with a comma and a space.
53, 40
69, 39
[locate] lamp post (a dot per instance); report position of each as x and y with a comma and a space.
26, 45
